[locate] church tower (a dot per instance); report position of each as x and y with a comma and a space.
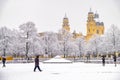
90, 23
94, 26
66, 24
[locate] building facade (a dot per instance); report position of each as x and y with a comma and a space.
93, 26
65, 25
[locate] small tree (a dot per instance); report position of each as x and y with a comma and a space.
81, 43
66, 39
51, 44
5, 41
94, 45
113, 36
29, 36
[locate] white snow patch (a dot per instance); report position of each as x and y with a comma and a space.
57, 59
75, 71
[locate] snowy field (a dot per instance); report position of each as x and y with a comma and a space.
73, 71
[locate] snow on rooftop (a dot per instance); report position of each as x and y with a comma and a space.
57, 59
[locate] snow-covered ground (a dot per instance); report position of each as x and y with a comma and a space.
73, 71
57, 59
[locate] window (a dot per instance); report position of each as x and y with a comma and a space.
97, 31
88, 30
102, 32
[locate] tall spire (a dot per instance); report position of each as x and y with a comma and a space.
96, 15
65, 16
66, 23
90, 10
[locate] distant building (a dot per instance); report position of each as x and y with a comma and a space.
65, 25
94, 26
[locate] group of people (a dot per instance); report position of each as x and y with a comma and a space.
37, 62
114, 58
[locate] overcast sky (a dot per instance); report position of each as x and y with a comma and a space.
48, 14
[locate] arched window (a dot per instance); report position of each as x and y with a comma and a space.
102, 32
88, 30
97, 31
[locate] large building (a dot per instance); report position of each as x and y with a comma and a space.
94, 26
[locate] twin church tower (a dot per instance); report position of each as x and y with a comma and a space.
94, 26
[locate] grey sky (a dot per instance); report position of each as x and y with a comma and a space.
48, 14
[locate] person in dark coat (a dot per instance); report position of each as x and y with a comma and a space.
114, 57
3, 61
37, 64
88, 57
103, 60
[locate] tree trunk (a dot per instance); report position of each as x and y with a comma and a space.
26, 50
4, 52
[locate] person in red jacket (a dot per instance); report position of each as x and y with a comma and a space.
37, 64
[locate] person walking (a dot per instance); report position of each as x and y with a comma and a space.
114, 57
88, 57
37, 64
103, 60
3, 61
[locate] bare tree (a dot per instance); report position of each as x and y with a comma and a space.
94, 45
113, 37
51, 44
5, 41
28, 35
81, 45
